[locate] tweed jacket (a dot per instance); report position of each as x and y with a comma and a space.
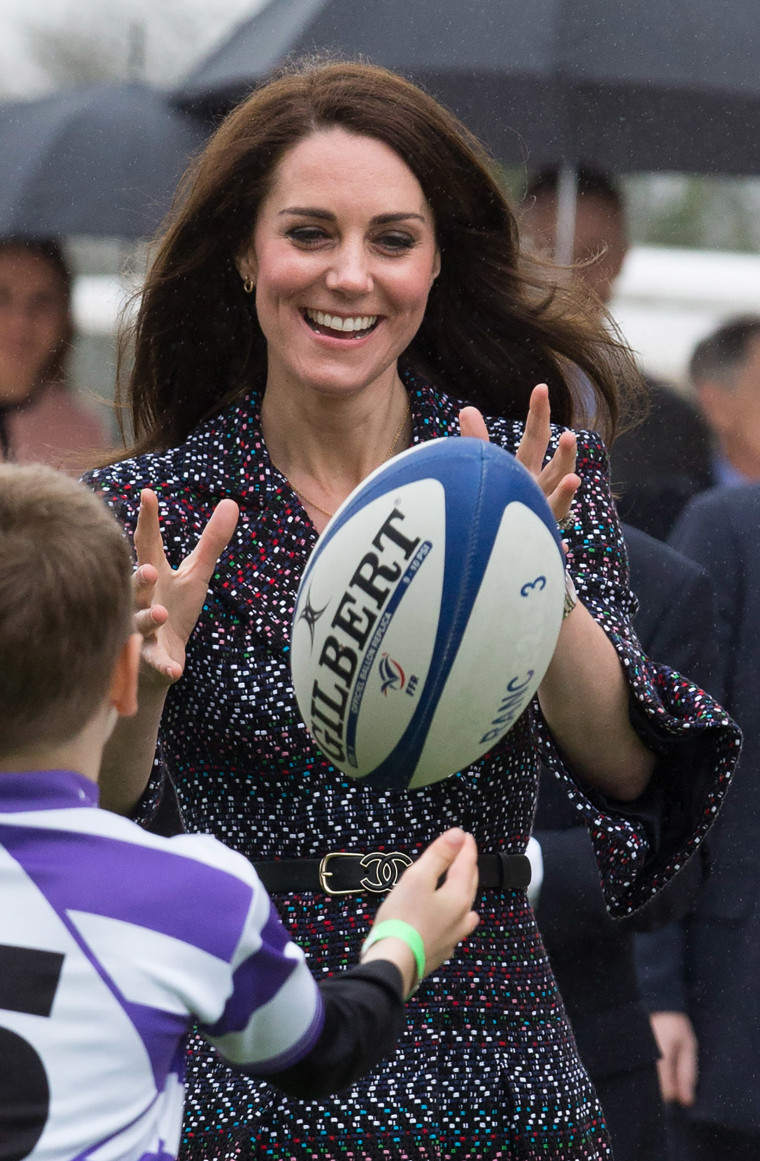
488, 1066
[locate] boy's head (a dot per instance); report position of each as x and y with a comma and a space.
65, 605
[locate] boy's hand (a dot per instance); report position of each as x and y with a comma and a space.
442, 915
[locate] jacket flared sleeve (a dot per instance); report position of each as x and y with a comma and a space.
639, 845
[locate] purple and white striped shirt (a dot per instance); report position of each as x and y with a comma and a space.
113, 943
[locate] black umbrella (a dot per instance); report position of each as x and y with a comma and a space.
101, 161
628, 84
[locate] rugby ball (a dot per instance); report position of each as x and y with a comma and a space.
428, 613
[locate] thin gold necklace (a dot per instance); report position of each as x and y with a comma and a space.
312, 503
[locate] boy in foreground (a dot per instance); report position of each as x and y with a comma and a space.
113, 941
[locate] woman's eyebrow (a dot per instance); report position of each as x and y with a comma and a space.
308, 212
327, 216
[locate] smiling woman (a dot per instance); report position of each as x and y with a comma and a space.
342, 258
340, 277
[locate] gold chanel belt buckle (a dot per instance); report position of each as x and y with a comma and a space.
385, 870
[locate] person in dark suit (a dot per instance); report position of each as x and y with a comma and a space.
591, 954
725, 371
700, 976
660, 461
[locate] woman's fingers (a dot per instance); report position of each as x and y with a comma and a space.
156, 658
557, 479
144, 585
213, 540
532, 450
562, 462
147, 621
202, 560
200, 563
167, 600
561, 499
148, 542
471, 423
158, 662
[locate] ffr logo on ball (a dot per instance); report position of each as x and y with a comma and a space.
392, 676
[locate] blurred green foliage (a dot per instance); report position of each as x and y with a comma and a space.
714, 213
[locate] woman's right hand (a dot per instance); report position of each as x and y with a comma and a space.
169, 601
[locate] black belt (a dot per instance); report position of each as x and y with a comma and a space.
347, 872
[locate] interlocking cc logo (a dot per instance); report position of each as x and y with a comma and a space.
385, 870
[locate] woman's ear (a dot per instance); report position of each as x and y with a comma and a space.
247, 266
436, 266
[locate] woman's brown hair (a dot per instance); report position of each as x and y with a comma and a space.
495, 324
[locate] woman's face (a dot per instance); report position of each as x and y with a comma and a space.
343, 256
32, 321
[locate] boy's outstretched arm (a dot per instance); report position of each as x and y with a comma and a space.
363, 1008
443, 915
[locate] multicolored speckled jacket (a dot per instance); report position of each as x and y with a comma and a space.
488, 1067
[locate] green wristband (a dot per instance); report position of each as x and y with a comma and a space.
398, 929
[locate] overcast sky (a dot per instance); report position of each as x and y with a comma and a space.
213, 20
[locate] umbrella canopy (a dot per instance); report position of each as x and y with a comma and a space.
102, 161
628, 84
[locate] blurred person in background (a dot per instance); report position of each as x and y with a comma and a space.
600, 240
593, 956
40, 418
725, 372
661, 461
699, 976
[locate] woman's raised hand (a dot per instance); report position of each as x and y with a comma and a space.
169, 601
557, 480
583, 696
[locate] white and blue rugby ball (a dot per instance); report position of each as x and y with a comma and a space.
428, 613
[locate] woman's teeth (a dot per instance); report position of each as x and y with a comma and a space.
334, 322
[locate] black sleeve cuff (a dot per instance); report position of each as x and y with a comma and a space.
364, 1018
672, 804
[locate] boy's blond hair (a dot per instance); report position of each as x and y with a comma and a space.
65, 604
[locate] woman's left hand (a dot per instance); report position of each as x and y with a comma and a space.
583, 695
557, 479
